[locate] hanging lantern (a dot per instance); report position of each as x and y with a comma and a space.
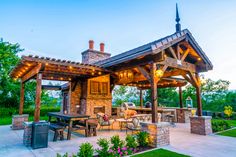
159, 73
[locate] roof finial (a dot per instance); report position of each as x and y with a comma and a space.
177, 19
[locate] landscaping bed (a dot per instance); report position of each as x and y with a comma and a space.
115, 147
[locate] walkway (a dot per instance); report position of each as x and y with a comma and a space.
181, 141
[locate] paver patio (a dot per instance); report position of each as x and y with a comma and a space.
182, 141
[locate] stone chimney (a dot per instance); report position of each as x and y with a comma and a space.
92, 56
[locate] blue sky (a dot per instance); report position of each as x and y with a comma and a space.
62, 28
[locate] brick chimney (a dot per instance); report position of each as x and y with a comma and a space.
102, 47
91, 56
91, 44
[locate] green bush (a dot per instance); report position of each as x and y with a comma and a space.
104, 147
43, 110
219, 125
85, 150
116, 142
8, 112
131, 141
143, 138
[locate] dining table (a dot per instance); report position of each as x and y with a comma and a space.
68, 119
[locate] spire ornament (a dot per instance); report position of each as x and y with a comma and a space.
177, 19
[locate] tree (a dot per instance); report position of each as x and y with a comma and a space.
10, 88
9, 96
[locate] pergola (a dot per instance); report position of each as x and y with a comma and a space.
33, 67
169, 62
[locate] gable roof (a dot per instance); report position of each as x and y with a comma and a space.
158, 46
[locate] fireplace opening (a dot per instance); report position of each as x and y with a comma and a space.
99, 109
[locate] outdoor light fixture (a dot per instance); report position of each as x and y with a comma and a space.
126, 76
159, 73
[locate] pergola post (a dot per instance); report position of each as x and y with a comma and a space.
199, 101
38, 97
180, 97
154, 93
22, 97
141, 97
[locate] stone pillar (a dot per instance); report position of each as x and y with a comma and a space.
27, 136
159, 133
184, 114
201, 125
17, 121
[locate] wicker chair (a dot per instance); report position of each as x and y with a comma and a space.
134, 126
102, 122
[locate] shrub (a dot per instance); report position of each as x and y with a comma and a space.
104, 147
116, 142
131, 141
228, 111
143, 138
85, 150
6, 112
219, 125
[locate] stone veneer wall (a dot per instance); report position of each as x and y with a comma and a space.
18, 120
27, 136
183, 115
201, 125
159, 133
75, 97
92, 56
89, 101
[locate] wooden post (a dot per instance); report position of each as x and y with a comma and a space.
154, 93
22, 98
199, 101
38, 97
180, 97
141, 98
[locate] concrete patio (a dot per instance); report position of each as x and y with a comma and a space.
182, 141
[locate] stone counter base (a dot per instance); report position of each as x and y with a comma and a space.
27, 136
18, 120
201, 125
159, 133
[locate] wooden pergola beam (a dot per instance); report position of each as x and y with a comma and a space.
38, 97
32, 73
144, 72
174, 63
22, 98
180, 97
154, 98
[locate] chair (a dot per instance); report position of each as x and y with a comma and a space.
103, 122
92, 126
134, 126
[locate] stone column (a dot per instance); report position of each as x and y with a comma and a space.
201, 125
18, 120
27, 136
159, 133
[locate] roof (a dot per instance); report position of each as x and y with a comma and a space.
158, 46
54, 69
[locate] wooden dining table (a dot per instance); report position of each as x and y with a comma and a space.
69, 118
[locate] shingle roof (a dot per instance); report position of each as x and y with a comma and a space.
157, 45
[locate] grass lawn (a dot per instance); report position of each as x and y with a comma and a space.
160, 153
230, 133
7, 120
231, 122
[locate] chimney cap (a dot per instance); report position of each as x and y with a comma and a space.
91, 44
